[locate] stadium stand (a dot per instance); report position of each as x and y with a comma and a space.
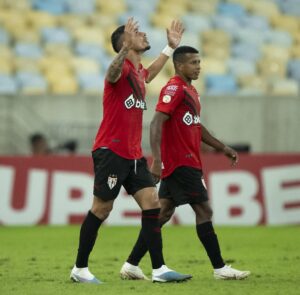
63, 46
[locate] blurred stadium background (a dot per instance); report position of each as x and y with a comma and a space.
54, 54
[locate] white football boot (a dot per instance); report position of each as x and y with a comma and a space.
132, 272
83, 275
229, 273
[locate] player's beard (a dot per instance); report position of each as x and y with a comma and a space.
147, 48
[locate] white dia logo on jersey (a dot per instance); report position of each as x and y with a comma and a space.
166, 98
112, 181
131, 102
172, 88
189, 119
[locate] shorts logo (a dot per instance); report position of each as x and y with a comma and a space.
112, 181
131, 102
189, 119
203, 182
166, 98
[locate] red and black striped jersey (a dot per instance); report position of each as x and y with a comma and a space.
181, 134
123, 106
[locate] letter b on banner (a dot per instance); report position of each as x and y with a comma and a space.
223, 201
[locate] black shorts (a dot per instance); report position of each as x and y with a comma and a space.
113, 171
184, 186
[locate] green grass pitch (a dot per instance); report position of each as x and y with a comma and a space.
37, 260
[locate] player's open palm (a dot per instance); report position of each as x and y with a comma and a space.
131, 28
174, 33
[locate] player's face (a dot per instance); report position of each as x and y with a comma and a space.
191, 67
141, 41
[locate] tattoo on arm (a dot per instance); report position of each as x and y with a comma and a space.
114, 71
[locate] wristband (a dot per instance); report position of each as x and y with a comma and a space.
168, 51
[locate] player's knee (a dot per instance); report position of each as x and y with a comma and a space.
101, 211
165, 216
208, 213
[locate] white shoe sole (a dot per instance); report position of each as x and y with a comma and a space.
127, 275
242, 276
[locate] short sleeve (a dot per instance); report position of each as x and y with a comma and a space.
170, 97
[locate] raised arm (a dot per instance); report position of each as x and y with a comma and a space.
155, 141
219, 146
114, 71
174, 34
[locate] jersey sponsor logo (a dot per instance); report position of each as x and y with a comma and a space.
166, 98
172, 88
112, 181
189, 119
131, 102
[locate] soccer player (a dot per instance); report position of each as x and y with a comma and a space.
117, 153
176, 133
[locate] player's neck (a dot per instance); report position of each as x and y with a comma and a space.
134, 58
187, 81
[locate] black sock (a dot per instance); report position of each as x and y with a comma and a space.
210, 242
152, 236
139, 250
87, 239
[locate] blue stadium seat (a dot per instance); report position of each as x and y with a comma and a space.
4, 36
93, 51
247, 51
291, 7
294, 69
250, 35
255, 22
55, 7
28, 50
196, 23
80, 7
220, 84
157, 39
56, 35
227, 23
8, 85
141, 17
231, 9
31, 82
282, 38
90, 83
241, 67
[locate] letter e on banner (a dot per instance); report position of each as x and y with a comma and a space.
282, 194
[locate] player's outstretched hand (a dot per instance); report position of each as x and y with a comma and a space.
131, 28
156, 171
174, 33
231, 154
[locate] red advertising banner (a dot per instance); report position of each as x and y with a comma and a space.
261, 189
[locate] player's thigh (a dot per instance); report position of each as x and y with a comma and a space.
139, 183
110, 172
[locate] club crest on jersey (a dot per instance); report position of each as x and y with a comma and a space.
112, 181
189, 119
131, 102
166, 98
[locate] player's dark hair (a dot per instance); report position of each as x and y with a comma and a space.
36, 137
181, 51
116, 38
